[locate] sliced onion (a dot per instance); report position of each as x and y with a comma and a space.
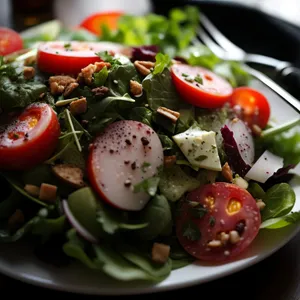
79, 228
265, 167
244, 140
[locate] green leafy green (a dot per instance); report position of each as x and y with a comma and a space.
148, 185
280, 200
174, 183
118, 80
276, 223
47, 227
105, 56
17, 184
167, 143
171, 33
141, 114
162, 61
15, 94
161, 91
75, 248
143, 261
116, 266
158, 215
100, 77
10, 204
256, 190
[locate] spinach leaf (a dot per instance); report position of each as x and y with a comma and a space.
75, 248
174, 183
14, 95
256, 190
280, 200
158, 215
143, 261
116, 266
148, 185
161, 91
276, 223
162, 61
167, 143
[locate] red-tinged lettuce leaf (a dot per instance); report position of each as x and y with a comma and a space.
146, 53
235, 159
282, 175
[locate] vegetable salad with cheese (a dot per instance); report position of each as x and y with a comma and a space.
134, 151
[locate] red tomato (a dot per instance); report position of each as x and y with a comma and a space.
30, 139
10, 41
228, 208
200, 87
71, 57
93, 22
251, 106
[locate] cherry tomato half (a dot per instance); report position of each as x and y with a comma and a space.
70, 57
200, 87
10, 41
251, 106
30, 139
94, 22
209, 214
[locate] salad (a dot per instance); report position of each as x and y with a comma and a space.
127, 149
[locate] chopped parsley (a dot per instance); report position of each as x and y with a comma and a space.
201, 158
212, 221
144, 166
198, 79
191, 231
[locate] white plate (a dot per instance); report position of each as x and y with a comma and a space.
18, 261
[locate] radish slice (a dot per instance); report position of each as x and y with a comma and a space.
265, 167
123, 155
79, 228
244, 140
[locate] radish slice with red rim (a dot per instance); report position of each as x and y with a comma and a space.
123, 155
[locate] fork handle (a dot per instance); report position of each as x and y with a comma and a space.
289, 77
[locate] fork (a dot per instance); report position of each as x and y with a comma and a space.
223, 48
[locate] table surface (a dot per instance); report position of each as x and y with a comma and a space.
276, 278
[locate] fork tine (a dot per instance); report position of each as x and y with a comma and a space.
218, 36
210, 43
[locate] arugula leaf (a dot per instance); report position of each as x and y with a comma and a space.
148, 185
174, 183
161, 91
141, 114
162, 61
117, 86
100, 77
19, 186
276, 223
280, 200
158, 215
